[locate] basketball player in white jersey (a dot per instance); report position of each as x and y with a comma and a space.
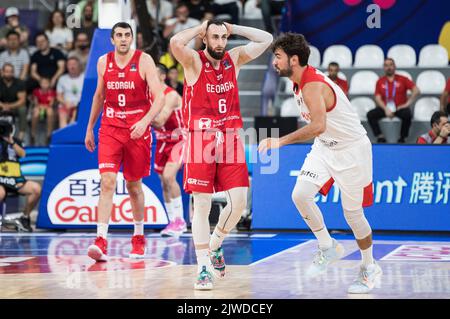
341, 153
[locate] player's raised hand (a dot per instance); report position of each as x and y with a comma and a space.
229, 28
267, 144
89, 141
203, 27
138, 129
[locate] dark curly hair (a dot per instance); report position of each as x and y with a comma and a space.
293, 44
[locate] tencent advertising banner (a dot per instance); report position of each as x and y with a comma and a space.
411, 190
72, 188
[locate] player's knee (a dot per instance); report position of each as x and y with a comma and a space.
134, 189
358, 223
301, 195
168, 179
108, 184
36, 190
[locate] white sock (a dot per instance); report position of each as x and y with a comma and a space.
367, 256
169, 211
177, 207
324, 238
138, 228
202, 259
216, 239
102, 230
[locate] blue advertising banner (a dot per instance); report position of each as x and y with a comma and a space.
411, 190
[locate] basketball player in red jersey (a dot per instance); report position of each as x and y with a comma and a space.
341, 153
170, 144
215, 154
126, 80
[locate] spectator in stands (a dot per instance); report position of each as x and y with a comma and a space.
15, 55
172, 80
445, 98
43, 101
12, 22
46, 62
391, 100
81, 6
164, 13
81, 51
69, 90
13, 181
270, 8
88, 21
229, 7
333, 72
440, 129
13, 97
198, 8
181, 22
169, 61
59, 35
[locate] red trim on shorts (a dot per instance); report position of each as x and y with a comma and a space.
326, 187
368, 196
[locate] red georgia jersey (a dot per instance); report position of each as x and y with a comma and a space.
213, 101
126, 93
174, 124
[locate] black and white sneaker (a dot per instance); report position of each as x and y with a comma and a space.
24, 224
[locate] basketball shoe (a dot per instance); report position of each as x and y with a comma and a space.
175, 228
137, 247
98, 250
204, 280
218, 262
368, 278
323, 258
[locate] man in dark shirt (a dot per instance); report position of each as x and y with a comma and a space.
46, 62
13, 97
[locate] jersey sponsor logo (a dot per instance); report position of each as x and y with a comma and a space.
119, 85
329, 143
219, 88
106, 165
204, 123
198, 182
309, 174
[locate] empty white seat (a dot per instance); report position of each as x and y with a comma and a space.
337, 53
289, 108
369, 56
363, 82
431, 82
433, 55
403, 55
425, 107
251, 11
363, 105
404, 73
314, 57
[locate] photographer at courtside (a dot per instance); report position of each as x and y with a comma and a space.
12, 180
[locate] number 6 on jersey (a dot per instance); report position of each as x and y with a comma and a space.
222, 106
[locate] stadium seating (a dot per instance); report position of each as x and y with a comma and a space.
431, 82
425, 107
369, 56
403, 55
337, 53
314, 57
433, 55
363, 82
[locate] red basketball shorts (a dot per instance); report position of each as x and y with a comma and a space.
214, 162
168, 152
117, 148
